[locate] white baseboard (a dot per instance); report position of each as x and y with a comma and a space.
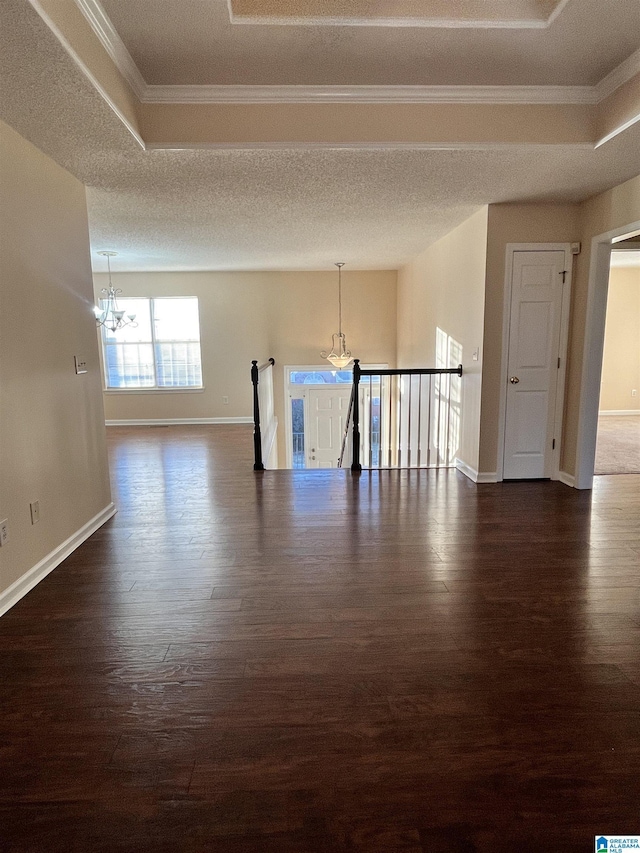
476, 476
178, 421
487, 477
567, 479
33, 576
611, 412
467, 470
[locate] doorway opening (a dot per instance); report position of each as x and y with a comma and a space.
618, 438
316, 408
599, 269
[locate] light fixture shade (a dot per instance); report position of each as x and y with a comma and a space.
339, 356
340, 361
112, 317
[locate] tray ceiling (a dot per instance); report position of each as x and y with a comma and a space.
268, 209
194, 42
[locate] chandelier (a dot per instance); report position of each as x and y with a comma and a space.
111, 317
339, 356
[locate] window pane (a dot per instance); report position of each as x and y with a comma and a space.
176, 319
129, 365
297, 427
320, 377
131, 334
178, 365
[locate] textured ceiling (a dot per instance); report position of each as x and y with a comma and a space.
164, 210
193, 42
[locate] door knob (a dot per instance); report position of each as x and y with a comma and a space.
514, 380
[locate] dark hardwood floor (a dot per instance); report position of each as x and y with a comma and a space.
303, 662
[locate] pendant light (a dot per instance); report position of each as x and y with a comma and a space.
111, 317
339, 356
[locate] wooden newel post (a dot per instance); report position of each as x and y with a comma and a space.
257, 435
355, 459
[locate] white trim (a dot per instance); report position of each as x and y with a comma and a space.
163, 391
33, 576
422, 22
238, 94
567, 479
617, 130
563, 347
558, 9
605, 413
177, 421
364, 146
563, 354
467, 470
473, 474
87, 73
487, 477
105, 31
414, 23
596, 312
618, 77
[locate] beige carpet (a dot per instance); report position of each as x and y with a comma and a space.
618, 447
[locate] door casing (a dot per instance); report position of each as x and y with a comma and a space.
562, 351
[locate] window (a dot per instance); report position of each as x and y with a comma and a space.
320, 377
162, 351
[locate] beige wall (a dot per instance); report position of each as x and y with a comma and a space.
511, 223
621, 358
245, 315
444, 288
52, 436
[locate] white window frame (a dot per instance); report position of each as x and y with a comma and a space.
152, 389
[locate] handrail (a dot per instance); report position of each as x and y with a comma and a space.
412, 371
358, 372
258, 464
346, 430
268, 363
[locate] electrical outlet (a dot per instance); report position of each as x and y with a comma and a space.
81, 364
634, 393
225, 401
35, 512
4, 531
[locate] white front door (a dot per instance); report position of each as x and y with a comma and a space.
534, 348
328, 409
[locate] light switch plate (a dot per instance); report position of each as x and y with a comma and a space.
81, 364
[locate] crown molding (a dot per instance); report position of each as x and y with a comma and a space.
230, 94
113, 44
395, 23
619, 76
424, 23
363, 146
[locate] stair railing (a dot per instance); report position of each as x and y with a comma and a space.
414, 421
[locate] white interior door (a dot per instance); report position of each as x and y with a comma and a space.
328, 409
534, 343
